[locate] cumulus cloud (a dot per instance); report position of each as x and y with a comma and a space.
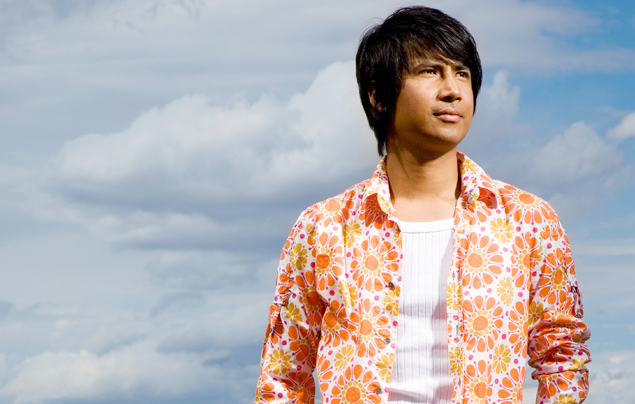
495, 130
576, 155
134, 371
611, 377
575, 171
530, 35
625, 129
198, 174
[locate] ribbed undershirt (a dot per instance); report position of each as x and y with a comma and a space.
421, 369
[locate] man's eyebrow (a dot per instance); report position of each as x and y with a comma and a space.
438, 62
426, 63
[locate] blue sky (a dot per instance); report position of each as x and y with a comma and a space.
155, 153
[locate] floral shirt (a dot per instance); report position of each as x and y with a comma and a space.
511, 292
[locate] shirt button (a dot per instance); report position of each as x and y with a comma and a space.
378, 390
391, 285
387, 340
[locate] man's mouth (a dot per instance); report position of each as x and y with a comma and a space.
450, 115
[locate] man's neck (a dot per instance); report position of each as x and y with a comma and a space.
424, 187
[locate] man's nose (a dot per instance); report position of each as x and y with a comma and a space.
450, 90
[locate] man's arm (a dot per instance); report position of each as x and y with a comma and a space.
293, 331
557, 334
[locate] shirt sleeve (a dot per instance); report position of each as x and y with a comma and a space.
293, 330
557, 334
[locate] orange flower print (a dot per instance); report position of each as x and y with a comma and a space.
351, 387
391, 300
372, 215
284, 281
302, 384
265, 393
552, 232
329, 262
518, 325
482, 260
300, 345
334, 210
503, 231
482, 322
373, 332
526, 253
297, 256
334, 324
511, 391
385, 366
370, 259
477, 382
279, 363
555, 277
550, 385
502, 358
524, 207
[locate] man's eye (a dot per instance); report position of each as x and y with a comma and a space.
464, 74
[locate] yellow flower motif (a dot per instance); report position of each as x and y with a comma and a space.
293, 312
565, 400
351, 232
454, 295
343, 357
456, 361
502, 230
505, 291
298, 256
501, 358
535, 313
392, 300
348, 293
279, 364
578, 364
385, 366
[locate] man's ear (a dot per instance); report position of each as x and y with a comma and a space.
371, 98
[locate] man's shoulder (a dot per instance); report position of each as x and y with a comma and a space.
336, 209
523, 206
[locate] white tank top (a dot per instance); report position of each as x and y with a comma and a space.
421, 369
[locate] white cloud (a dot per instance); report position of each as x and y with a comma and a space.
625, 129
611, 377
534, 35
191, 344
494, 124
136, 370
576, 155
192, 172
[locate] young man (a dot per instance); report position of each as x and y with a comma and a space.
429, 282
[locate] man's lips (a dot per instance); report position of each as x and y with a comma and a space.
448, 115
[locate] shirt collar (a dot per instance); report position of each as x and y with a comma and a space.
475, 184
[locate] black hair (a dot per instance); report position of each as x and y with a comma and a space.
386, 51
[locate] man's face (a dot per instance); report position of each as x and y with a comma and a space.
435, 106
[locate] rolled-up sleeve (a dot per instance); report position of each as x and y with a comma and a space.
557, 333
293, 330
